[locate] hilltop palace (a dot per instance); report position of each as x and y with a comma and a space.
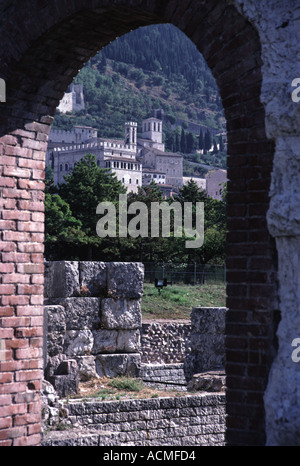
135, 161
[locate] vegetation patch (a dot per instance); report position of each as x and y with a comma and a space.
120, 388
177, 301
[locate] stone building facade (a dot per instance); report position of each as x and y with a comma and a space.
252, 49
72, 101
125, 158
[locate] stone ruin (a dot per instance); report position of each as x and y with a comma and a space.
92, 321
93, 328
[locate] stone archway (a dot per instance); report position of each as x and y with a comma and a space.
43, 49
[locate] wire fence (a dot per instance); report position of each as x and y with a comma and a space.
188, 274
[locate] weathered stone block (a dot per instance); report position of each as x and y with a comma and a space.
114, 341
55, 323
81, 313
78, 342
128, 341
93, 276
121, 313
86, 367
125, 279
207, 341
105, 341
213, 381
115, 365
61, 279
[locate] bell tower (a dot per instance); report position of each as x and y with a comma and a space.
131, 134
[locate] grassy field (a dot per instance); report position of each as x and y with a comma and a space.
177, 301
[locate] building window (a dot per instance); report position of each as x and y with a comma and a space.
137, 181
129, 180
60, 168
123, 180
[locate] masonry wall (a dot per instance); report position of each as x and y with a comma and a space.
165, 342
251, 46
92, 321
183, 421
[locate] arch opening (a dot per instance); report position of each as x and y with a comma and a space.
38, 74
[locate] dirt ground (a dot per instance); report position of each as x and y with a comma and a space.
102, 389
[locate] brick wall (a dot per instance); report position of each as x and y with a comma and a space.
38, 64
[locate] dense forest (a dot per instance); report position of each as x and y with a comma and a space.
154, 67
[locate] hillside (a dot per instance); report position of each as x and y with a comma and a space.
155, 67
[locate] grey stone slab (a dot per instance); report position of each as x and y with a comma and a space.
121, 313
93, 276
125, 279
81, 313
61, 279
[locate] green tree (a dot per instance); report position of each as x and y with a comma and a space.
63, 231
84, 188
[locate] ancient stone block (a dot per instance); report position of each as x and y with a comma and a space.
86, 368
121, 313
125, 279
114, 365
128, 341
93, 276
67, 383
212, 381
105, 341
81, 313
207, 341
78, 342
61, 279
55, 330
114, 341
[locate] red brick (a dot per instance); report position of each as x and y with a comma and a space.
30, 268
17, 172
29, 205
30, 440
22, 376
15, 300
30, 289
7, 182
31, 226
29, 163
16, 194
7, 247
15, 257
18, 151
9, 140
8, 160
16, 236
15, 215
7, 268
30, 247
7, 225
31, 184
7, 289
16, 278
15, 322
6, 311
28, 353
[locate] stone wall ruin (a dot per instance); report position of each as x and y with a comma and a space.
92, 321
